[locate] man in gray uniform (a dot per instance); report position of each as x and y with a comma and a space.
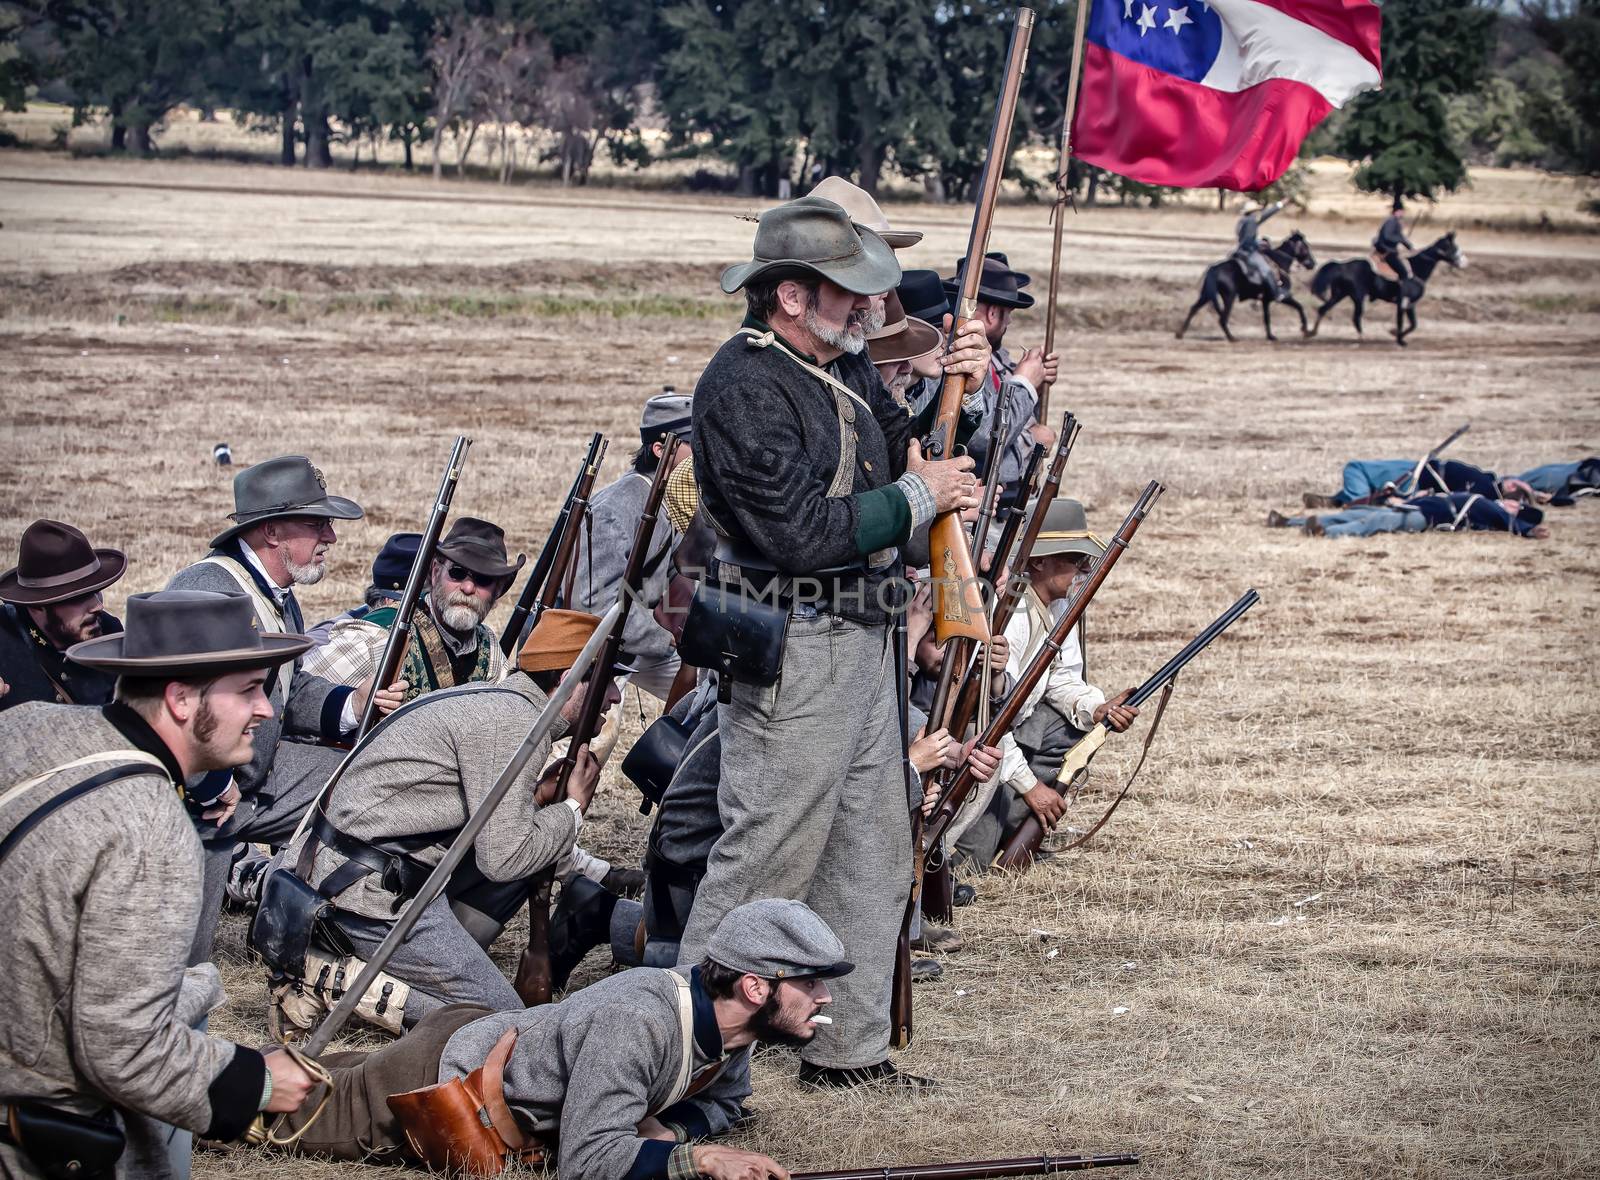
1391, 236
630, 1074
283, 527
604, 544
101, 1025
399, 802
1248, 251
810, 472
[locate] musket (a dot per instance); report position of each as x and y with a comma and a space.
1005, 606
990, 479
533, 983
461, 846
1030, 1165
1014, 514
394, 648
1058, 212
1415, 478
950, 802
537, 576
1023, 846
958, 600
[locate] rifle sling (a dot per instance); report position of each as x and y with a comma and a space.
1155, 724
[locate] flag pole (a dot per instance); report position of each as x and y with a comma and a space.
1058, 211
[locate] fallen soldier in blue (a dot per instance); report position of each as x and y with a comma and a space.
1371, 481
1452, 512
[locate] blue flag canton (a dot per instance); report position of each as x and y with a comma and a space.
1180, 37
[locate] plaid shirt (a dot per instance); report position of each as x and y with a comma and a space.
355, 646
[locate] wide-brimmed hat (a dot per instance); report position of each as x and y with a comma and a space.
392, 566
814, 236
778, 939
286, 486
901, 338
188, 633
55, 562
1065, 530
864, 210
923, 296
480, 546
998, 284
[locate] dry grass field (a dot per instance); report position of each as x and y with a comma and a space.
1347, 924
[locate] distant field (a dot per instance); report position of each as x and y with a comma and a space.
1346, 925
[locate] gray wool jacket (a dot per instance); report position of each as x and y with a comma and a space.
428, 766
614, 514
593, 1066
102, 899
310, 709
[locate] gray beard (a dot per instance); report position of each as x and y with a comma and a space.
843, 339
305, 575
460, 618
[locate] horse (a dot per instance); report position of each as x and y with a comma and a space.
1358, 280
1227, 281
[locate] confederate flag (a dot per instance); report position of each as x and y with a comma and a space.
1217, 93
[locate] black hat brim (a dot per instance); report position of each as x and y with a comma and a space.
1018, 300
105, 653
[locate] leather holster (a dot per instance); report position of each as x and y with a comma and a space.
739, 635
63, 1144
464, 1125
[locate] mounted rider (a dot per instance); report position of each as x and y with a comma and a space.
1248, 252
1391, 236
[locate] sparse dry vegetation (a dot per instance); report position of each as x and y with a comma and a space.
1346, 926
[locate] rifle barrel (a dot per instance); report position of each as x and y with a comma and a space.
1193, 648
1037, 1165
547, 555
394, 647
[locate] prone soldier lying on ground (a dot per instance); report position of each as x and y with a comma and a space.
1453, 512
399, 801
102, 1052
625, 1078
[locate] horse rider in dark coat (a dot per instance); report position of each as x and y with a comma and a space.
1391, 236
1248, 252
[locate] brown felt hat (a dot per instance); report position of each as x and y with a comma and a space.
902, 337
187, 633
480, 546
556, 640
864, 210
55, 562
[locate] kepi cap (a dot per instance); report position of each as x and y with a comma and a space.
778, 939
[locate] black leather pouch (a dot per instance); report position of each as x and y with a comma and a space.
65, 1145
654, 759
739, 636
290, 912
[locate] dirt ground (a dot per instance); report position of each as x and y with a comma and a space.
1346, 925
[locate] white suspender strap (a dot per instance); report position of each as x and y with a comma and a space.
267, 612
27, 785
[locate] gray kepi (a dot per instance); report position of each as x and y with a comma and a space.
778, 939
187, 634
813, 236
289, 485
1066, 530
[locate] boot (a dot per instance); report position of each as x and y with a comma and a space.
1277, 520
580, 922
1318, 500
1314, 527
824, 1077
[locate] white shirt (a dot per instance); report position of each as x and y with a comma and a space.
1063, 685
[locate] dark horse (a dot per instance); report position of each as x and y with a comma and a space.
1359, 281
1226, 281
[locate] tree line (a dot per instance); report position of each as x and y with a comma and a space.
770, 88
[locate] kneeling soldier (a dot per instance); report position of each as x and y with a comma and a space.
400, 800
616, 1080
101, 1055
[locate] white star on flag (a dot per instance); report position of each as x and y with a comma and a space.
1127, 9
1147, 20
1177, 18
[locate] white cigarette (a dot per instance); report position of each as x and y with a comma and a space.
820, 1019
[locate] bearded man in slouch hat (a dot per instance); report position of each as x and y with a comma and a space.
812, 476
282, 529
51, 601
101, 1031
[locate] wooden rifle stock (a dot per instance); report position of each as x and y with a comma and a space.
394, 648
533, 982
957, 598
1016, 581
1037, 667
540, 573
1024, 843
1032, 1165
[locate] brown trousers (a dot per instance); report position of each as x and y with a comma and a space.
357, 1124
